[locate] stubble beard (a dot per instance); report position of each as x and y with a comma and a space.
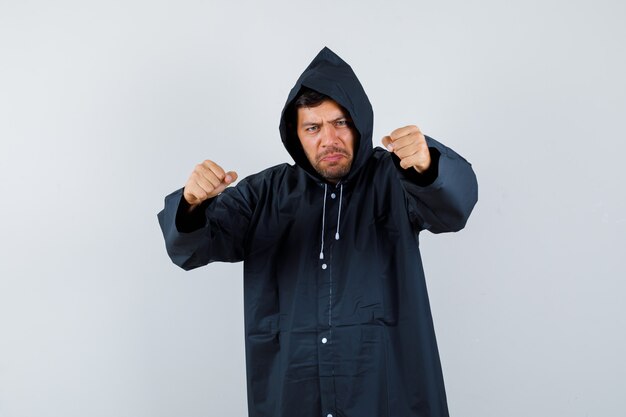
332, 170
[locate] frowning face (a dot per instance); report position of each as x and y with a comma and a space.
327, 137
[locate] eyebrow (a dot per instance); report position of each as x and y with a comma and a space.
307, 123
310, 123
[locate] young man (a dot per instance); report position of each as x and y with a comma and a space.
337, 317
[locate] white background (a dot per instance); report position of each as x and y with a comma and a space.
105, 107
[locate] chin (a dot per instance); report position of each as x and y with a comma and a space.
334, 173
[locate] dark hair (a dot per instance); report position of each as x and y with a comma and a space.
308, 97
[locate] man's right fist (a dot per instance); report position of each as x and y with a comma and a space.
206, 181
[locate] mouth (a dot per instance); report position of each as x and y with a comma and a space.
332, 157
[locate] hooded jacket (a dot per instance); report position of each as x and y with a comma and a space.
337, 317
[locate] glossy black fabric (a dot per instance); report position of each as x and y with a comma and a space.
350, 335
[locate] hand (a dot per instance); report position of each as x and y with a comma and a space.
409, 144
206, 181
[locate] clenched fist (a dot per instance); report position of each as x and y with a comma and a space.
206, 181
409, 144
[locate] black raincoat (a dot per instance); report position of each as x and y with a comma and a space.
337, 318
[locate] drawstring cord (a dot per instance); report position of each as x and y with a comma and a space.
323, 221
324, 217
339, 215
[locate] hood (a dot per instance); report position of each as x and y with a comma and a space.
332, 76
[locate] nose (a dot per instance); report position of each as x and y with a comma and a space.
328, 135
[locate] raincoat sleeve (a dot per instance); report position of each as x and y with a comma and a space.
442, 199
215, 231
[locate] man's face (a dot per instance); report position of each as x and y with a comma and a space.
327, 137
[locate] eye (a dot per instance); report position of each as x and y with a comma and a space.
341, 122
311, 129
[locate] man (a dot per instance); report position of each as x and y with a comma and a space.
337, 319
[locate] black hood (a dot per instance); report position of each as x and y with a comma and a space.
330, 75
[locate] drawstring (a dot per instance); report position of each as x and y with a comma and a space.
323, 220
339, 215
324, 217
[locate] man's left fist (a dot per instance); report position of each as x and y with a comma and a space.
409, 144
